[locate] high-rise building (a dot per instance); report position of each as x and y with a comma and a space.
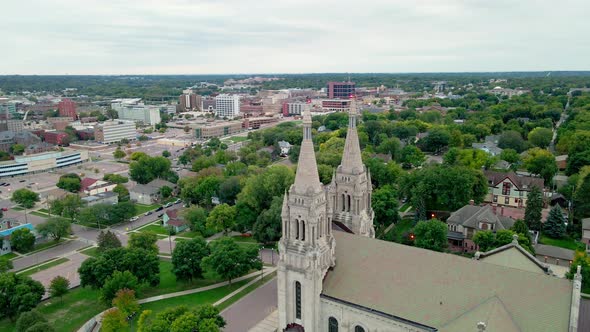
343, 90
134, 109
190, 102
227, 106
114, 131
67, 107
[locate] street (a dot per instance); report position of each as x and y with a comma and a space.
251, 309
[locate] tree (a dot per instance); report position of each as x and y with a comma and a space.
385, 205
56, 207
126, 302
22, 240
59, 286
555, 224
5, 263
197, 218
541, 162
115, 178
534, 206
222, 218
511, 139
71, 205
510, 156
182, 319
186, 259
520, 227
166, 154
230, 260
18, 294
122, 191
437, 139
28, 319
25, 197
107, 241
165, 191
144, 240
582, 199
582, 259
431, 234
485, 240
119, 280
229, 189
540, 137
146, 168
55, 228
70, 182
267, 227
113, 320
119, 154
17, 149
411, 156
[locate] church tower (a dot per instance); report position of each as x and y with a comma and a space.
306, 248
350, 191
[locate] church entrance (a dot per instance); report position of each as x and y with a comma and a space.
293, 327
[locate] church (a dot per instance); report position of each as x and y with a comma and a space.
333, 275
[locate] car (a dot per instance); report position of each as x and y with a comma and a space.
23, 180
160, 215
169, 204
134, 218
148, 213
4, 209
6, 184
178, 201
160, 208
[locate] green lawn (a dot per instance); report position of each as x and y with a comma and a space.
406, 206
44, 211
18, 208
155, 229
189, 234
399, 229
39, 214
141, 208
44, 266
10, 255
92, 251
237, 139
567, 243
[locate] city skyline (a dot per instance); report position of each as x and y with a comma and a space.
223, 37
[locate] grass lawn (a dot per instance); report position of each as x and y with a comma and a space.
141, 208
246, 291
178, 239
155, 229
18, 208
39, 214
406, 206
399, 229
567, 243
189, 234
10, 255
92, 251
44, 211
44, 266
237, 139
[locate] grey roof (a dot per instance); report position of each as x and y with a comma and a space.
521, 182
152, 187
470, 216
99, 196
586, 223
442, 290
514, 244
553, 251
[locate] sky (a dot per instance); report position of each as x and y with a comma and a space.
104, 37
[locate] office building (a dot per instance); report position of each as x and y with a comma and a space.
190, 101
217, 129
295, 108
67, 107
340, 90
208, 104
41, 162
227, 106
336, 105
114, 131
135, 110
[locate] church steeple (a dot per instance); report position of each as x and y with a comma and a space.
351, 159
307, 177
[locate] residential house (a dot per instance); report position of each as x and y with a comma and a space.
490, 145
148, 193
514, 256
561, 161
174, 218
91, 186
554, 255
470, 219
586, 232
7, 226
108, 197
509, 188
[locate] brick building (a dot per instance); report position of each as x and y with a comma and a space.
67, 107
340, 90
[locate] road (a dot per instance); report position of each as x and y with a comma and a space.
45, 255
251, 309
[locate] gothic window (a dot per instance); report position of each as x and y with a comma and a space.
302, 230
297, 300
359, 328
348, 203
343, 203
332, 325
297, 229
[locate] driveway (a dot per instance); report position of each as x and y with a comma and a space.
251, 309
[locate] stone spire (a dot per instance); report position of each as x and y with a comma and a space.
351, 159
307, 176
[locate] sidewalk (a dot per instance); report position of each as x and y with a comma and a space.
269, 324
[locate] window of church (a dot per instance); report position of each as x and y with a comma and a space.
297, 229
297, 300
302, 230
359, 328
332, 324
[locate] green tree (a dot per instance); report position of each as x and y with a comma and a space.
222, 218
229, 260
56, 207
22, 240
511, 139
113, 320
5, 263
59, 287
582, 199
119, 154
25, 197
555, 224
166, 154
146, 168
115, 178
27, 319
107, 241
197, 218
437, 139
510, 155
411, 156
55, 228
187, 257
267, 227
119, 280
165, 191
123, 193
18, 294
385, 205
534, 206
431, 234
144, 240
582, 259
520, 227
71, 205
229, 189
17, 149
540, 137
70, 182
541, 162
126, 302
485, 240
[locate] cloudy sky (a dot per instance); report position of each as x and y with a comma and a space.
292, 36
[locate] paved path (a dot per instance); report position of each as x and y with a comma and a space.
269, 324
68, 269
45, 255
251, 309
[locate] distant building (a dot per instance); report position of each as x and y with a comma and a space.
134, 109
340, 90
561, 161
190, 101
60, 123
67, 107
586, 233
336, 105
174, 218
208, 104
7, 109
256, 123
227, 106
295, 108
148, 193
108, 197
56, 137
41, 162
217, 129
114, 131
90, 186
509, 188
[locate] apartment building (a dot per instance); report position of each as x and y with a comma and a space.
227, 106
113, 131
67, 107
135, 110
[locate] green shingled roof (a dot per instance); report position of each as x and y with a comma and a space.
437, 289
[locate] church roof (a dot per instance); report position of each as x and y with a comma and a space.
351, 158
443, 290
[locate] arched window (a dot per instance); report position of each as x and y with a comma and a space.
297, 229
297, 300
343, 204
359, 328
302, 230
332, 324
348, 203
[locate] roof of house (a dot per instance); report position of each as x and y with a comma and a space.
176, 222
99, 196
553, 251
152, 187
586, 223
562, 157
522, 182
56, 193
515, 256
471, 215
87, 182
173, 213
444, 291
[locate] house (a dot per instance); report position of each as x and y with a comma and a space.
514, 256
586, 233
55, 194
470, 219
108, 197
557, 198
554, 255
91, 186
561, 161
285, 147
175, 219
509, 188
7, 226
488, 147
148, 193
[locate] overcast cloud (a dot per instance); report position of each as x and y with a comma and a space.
291, 36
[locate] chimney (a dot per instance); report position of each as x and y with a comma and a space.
471, 202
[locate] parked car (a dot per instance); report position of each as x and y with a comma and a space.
6, 184
134, 218
4, 209
160, 215
160, 209
23, 180
148, 213
178, 201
